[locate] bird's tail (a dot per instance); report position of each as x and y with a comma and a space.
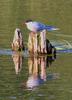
51, 28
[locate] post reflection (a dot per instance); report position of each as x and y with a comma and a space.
17, 59
37, 70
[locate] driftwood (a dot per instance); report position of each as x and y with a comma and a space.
37, 43
32, 43
17, 44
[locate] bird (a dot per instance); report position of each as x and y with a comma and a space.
35, 26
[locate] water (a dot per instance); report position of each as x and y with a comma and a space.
34, 77
56, 83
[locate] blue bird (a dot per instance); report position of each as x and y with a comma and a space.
37, 26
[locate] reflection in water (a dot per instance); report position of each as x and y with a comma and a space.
50, 59
37, 66
37, 70
17, 59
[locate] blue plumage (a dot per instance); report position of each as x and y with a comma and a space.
37, 26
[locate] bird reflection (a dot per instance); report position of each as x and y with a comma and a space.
17, 59
37, 70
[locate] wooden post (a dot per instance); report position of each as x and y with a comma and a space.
17, 44
32, 42
43, 41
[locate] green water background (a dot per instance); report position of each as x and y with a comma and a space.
52, 12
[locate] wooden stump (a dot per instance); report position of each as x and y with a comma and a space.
17, 44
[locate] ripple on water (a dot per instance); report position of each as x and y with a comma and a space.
62, 46
13, 97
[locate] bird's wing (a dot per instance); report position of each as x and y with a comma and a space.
39, 26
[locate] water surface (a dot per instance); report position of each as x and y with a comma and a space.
58, 82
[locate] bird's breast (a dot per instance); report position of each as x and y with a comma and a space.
32, 27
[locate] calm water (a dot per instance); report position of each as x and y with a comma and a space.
36, 78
